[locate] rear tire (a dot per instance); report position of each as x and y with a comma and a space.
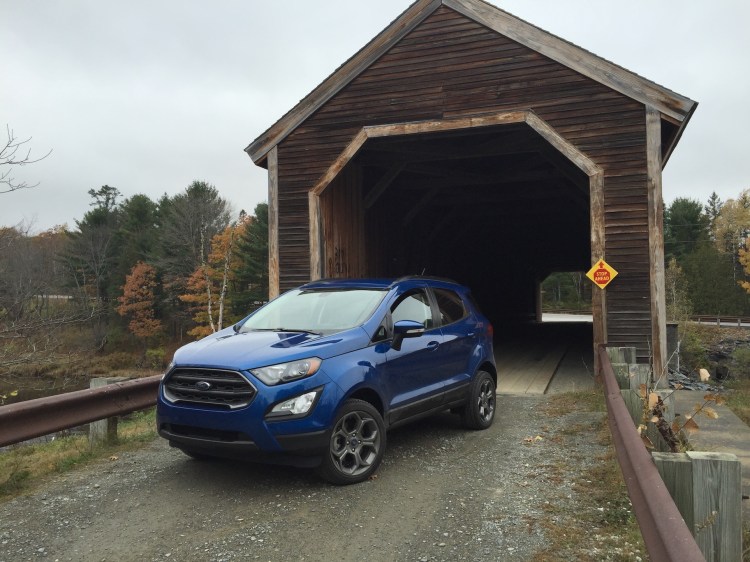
356, 445
480, 410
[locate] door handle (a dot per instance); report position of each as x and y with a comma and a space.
433, 345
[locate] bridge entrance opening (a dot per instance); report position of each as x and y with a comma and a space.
498, 208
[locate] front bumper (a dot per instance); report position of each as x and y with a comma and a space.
247, 433
301, 449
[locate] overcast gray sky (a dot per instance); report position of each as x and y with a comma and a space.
148, 96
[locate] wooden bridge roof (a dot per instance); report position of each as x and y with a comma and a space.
674, 108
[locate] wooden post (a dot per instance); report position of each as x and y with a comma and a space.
622, 355
273, 224
656, 244
707, 489
598, 297
104, 431
316, 239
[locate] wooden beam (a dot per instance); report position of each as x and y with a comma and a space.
417, 127
598, 297
656, 243
316, 239
421, 204
273, 223
343, 159
383, 184
561, 144
457, 123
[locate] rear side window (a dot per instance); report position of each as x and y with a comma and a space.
451, 306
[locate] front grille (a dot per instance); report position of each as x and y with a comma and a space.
214, 387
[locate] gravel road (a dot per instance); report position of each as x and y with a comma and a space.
442, 493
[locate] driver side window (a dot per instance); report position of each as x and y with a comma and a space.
413, 306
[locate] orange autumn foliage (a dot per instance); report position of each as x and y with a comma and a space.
138, 301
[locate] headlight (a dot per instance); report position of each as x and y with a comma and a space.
285, 372
169, 368
297, 406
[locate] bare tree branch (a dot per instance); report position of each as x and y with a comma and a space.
15, 153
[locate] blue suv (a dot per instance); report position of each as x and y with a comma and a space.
316, 377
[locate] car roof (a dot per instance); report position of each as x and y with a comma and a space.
379, 283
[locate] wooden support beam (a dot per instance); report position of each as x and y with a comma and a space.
316, 238
273, 223
383, 184
421, 204
598, 297
656, 243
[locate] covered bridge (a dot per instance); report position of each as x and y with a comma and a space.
467, 143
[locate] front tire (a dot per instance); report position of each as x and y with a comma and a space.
480, 410
356, 445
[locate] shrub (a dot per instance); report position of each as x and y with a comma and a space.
741, 360
692, 348
155, 358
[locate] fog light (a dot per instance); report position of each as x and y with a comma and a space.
296, 406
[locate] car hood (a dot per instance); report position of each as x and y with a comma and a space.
248, 350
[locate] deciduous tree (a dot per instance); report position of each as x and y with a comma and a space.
15, 154
208, 287
138, 302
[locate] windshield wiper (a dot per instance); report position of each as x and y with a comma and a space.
294, 330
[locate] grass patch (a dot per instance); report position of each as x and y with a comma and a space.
602, 524
569, 402
739, 399
24, 467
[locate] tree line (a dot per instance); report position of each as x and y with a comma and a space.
707, 259
133, 272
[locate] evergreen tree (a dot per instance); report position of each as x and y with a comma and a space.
251, 289
685, 226
713, 209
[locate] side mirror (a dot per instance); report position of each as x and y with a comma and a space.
405, 329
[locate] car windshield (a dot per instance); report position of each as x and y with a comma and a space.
317, 311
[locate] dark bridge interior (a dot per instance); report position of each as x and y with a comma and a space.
496, 208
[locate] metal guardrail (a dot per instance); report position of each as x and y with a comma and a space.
664, 531
719, 319
42, 416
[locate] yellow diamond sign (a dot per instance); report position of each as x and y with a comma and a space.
602, 273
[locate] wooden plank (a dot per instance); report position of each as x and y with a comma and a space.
717, 493
525, 368
676, 470
706, 487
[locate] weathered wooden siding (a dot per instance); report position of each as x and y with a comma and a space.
450, 66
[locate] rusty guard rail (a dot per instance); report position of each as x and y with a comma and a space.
34, 418
664, 531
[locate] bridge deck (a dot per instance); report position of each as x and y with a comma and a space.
546, 358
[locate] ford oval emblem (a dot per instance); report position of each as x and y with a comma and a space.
203, 385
